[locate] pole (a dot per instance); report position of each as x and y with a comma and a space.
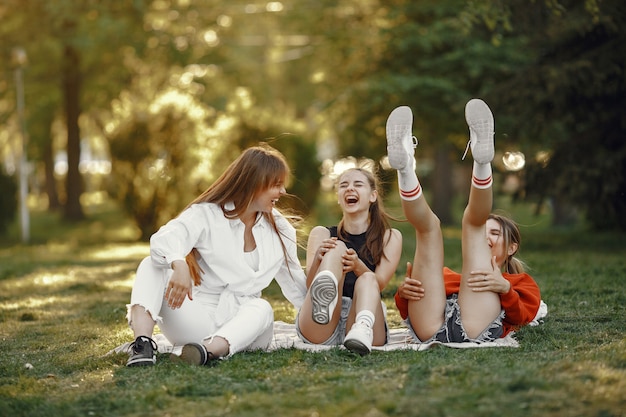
20, 59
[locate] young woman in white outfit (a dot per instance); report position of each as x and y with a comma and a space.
207, 267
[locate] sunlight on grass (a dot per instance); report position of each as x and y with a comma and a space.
135, 251
121, 284
284, 311
31, 302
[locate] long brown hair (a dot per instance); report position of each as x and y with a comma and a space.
374, 248
510, 234
254, 171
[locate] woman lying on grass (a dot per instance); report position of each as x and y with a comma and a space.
203, 280
482, 303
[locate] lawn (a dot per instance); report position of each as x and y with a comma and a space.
62, 308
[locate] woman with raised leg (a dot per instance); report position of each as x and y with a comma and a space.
492, 295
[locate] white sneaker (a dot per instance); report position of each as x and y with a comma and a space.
324, 296
359, 339
481, 125
400, 142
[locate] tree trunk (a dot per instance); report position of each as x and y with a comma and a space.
51, 186
443, 185
71, 92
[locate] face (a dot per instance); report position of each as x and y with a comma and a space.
266, 200
354, 192
495, 239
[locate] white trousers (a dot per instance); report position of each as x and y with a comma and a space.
251, 326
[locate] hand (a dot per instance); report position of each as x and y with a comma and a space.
350, 261
179, 286
411, 288
327, 245
489, 280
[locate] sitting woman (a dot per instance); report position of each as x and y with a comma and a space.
207, 267
347, 268
492, 295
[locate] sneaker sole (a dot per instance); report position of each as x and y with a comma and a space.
399, 122
480, 120
192, 353
323, 292
356, 347
400, 116
141, 362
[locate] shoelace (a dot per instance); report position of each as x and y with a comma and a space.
139, 347
466, 149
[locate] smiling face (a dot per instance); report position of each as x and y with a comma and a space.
266, 200
500, 245
354, 192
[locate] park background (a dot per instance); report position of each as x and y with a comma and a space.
115, 114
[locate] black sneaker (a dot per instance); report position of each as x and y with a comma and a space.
195, 354
142, 352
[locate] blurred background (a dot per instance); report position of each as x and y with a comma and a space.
140, 104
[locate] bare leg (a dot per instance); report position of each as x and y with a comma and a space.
427, 314
218, 346
312, 331
367, 297
141, 322
478, 309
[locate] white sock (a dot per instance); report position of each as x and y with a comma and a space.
366, 317
409, 185
482, 175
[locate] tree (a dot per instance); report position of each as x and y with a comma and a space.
428, 56
169, 146
568, 100
69, 44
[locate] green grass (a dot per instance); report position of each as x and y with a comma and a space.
62, 308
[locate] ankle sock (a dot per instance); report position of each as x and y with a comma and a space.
366, 317
409, 185
482, 175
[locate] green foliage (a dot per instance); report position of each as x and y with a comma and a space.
328, 73
568, 100
161, 154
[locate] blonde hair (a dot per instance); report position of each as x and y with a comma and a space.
510, 234
254, 171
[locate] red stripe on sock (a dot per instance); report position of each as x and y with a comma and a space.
482, 183
413, 193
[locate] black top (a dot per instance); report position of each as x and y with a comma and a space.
355, 242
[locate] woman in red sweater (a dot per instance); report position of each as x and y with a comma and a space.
492, 295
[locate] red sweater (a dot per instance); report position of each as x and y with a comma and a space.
520, 304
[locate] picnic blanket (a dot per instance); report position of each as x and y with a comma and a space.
285, 337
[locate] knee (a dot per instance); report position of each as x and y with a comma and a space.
472, 219
435, 222
332, 259
262, 309
147, 269
366, 281
339, 249
144, 264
